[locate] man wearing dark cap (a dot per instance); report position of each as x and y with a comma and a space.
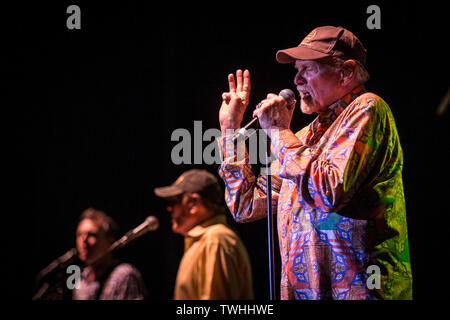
337, 183
215, 264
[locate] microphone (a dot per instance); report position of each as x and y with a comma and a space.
287, 94
66, 259
151, 223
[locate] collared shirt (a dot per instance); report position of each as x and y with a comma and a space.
338, 191
215, 265
124, 282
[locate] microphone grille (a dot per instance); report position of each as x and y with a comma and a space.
152, 222
288, 95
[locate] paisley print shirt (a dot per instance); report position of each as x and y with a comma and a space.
338, 193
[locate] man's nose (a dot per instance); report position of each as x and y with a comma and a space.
85, 239
82, 238
299, 80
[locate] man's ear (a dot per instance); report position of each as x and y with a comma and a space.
348, 71
194, 201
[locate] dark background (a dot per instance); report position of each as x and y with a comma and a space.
88, 117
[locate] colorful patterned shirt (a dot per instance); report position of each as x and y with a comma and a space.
338, 193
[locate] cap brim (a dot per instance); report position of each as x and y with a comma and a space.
168, 192
299, 53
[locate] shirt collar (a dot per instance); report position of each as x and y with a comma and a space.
336, 108
199, 230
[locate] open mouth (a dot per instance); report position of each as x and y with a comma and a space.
304, 94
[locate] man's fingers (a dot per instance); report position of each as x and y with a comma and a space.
273, 96
247, 84
240, 83
260, 108
258, 112
239, 80
231, 83
292, 105
226, 96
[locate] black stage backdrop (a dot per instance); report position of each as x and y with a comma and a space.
89, 113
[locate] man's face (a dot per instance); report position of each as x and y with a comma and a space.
317, 84
91, 240
182, 219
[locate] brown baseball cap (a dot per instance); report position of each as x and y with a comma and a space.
324, 42
195, 181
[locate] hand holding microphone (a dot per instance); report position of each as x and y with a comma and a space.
273, 117
275, 112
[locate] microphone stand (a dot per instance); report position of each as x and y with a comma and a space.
289, 96
127, 238
270, 225
49, 281
70, 256
46, 287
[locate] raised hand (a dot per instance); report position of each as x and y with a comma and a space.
235, 101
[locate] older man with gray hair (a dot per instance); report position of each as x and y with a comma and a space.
337, 184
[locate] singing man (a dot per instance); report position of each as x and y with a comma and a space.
336, 184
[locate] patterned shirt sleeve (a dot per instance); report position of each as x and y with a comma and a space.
245, 193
